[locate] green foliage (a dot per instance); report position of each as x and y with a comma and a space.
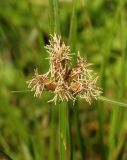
29, 127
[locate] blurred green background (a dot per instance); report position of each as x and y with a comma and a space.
98, 29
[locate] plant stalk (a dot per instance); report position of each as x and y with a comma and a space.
63, 130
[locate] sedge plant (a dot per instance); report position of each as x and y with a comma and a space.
67, 83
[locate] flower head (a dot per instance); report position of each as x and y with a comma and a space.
65, 83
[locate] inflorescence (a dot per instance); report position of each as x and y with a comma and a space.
65, 82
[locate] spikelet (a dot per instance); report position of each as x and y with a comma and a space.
66, 84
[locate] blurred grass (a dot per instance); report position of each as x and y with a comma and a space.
29, 126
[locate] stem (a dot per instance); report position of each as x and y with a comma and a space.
73, 28
54, 16
52, 133
101, 129
72, 43
69, 131
79, 136
110, 101
54, 28
63, 131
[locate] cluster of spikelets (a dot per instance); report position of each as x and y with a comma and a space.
66, 83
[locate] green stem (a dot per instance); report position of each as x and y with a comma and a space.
72, 43
101, 129
69, 131
54, 28
73, 28
110, 101
79, 136
54, 16
63, 130
53, 133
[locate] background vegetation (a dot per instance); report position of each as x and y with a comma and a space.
29, 126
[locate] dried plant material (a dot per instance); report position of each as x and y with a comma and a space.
66, 84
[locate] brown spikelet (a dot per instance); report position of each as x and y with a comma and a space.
65, 83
